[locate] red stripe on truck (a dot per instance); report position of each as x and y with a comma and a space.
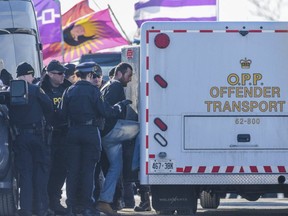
281, 31
187, 169
180, 31
281, 169
147, 89
267, 169
253, 169
147, 62
206, 31
215, 169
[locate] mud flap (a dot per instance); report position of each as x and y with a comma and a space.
170, 198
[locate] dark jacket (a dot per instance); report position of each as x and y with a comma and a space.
113, 92
55, 94
5, 76
82, 102
39, 106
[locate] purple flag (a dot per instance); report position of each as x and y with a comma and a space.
49, 20
88, 34
175, 10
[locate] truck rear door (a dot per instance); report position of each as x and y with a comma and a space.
213, 99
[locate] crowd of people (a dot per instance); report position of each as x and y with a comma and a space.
72, 131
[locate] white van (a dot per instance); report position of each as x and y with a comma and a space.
19, 37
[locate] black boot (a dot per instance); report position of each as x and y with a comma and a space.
70, 212
90, 212
58, 209
144, 204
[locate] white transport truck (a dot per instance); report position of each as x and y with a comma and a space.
213, 111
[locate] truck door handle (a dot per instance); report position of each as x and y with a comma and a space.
243, 138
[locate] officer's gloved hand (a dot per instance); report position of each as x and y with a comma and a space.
125, 102
122, 104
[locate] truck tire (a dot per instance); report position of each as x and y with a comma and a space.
209, 201
9, 199
251, 196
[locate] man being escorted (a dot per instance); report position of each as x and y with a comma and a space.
115, 132
32, 154
84, 107
54, 85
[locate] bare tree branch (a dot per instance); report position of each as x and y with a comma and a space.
268, 9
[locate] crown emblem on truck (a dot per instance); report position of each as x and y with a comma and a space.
245, 63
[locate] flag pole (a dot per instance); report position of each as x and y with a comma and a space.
127, 38
97, 5
217, 6
61, 32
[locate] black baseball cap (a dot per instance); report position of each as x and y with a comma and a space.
24, 69
55, 65
71, 68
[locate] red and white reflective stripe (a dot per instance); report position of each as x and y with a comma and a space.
214, 31
147, 104
232, 169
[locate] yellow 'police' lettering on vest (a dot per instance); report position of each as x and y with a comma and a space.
56, 101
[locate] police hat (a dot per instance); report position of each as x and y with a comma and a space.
87, 67
98, 72
55, 65
24, 69
71, 68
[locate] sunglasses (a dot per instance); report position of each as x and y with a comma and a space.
96, 75
59, 73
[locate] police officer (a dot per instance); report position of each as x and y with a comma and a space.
54, 84
70, 73
31, 151
98, 77
83, 105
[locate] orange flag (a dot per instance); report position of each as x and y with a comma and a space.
79, 10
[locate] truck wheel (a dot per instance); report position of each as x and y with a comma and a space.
209, 201
9, 200
251, 197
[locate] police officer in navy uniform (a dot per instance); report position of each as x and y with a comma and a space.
54, 84
83, 105
32, 154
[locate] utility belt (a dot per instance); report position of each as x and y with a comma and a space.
99, 122
36, 128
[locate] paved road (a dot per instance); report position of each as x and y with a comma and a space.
232, 207
236, 207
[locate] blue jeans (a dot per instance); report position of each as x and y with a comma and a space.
112, 145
